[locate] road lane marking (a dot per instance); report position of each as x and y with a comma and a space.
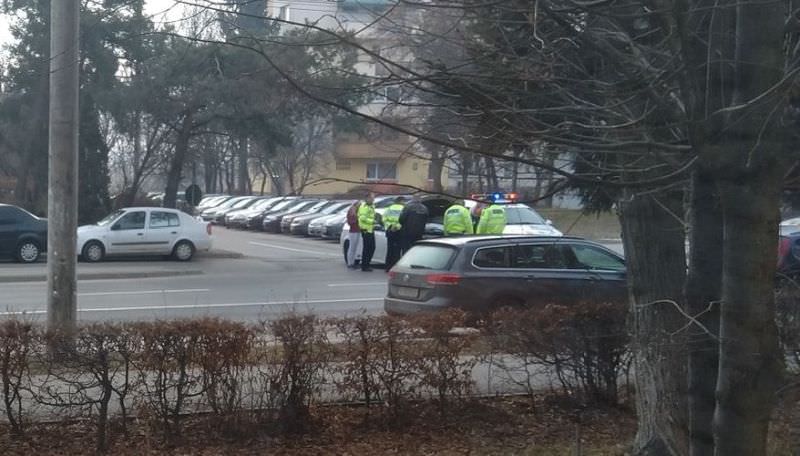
196, 306
293, 250
357, 284
144, 292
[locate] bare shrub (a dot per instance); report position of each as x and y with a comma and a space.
396, 364
19, 340
224, 357
358, 350
90, 369
584, 346
292, 360
168, 374
444, 365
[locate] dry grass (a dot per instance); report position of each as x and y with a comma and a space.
591, 226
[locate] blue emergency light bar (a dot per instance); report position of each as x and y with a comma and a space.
496, 197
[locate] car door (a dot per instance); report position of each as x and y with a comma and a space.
9, 229
605, 272
127, 234
489, 280
548, 279
163, 229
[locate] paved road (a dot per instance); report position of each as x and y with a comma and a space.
273, 274
278, 274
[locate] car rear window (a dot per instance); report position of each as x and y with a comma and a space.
426, 256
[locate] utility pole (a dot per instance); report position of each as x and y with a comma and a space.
62, 194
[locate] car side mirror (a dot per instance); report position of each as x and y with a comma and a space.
115, 227
549, 222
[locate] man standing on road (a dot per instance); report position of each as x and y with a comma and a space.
493, 220
394, 241
457, 221
412, 222
366, 222
354, 236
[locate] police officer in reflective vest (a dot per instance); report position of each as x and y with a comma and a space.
394, 239
493, 220
366, 222
457, 221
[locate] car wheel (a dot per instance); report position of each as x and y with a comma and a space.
28, 252
183, 251
93, 252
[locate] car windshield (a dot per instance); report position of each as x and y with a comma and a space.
110, 218
260, 204
426, 256
301, 206
318, 206
242, 204
523, 215
282, 205
332, 208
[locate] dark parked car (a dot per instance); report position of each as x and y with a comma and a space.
23, 236
300, 223
286, 221
272, 221
482, 274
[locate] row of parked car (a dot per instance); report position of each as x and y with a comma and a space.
304, 216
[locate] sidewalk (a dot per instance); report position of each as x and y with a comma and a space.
132, 268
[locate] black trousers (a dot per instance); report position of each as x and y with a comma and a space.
367, 249
394, 248
408, 240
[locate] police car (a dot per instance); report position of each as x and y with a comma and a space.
521, 219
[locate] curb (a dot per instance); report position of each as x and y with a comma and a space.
220, 254
104, 275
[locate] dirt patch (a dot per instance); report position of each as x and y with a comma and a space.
484, 427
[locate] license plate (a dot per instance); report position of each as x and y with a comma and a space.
407, 292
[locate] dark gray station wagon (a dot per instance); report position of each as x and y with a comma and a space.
483, 273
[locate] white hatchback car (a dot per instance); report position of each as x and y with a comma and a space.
144, 231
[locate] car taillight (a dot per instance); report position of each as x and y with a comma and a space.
443, 279
208, 228
392, 274
784, 247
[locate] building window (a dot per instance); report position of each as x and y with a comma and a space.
381, 171
342, 165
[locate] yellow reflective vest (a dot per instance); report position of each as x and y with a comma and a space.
391, 218
366, 217
457, 221
493, 220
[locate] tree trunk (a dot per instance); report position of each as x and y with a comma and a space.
654, 243
703, 287
750, 364
178, 160
465, 166
435, 173
244, 171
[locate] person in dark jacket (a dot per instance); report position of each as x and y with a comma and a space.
412, 222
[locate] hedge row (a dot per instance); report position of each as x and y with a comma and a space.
269, 375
